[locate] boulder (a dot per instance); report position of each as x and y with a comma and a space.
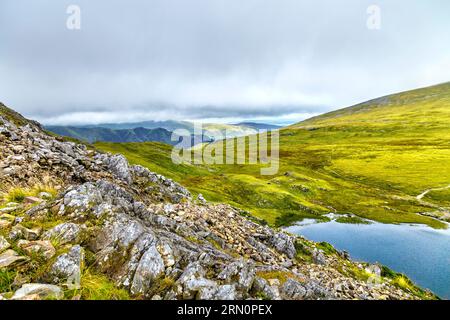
118, 165
68, 267
293, 290
11, 259
65, 233
8, 209
150, 267
31, 200
241, 272
283, 243
319, 257
374, 269
201, 199
217, 292
81, 199
19, 232
45, 195
4, 244
42, 248
6, 221
262, 289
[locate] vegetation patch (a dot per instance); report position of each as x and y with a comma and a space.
352, 220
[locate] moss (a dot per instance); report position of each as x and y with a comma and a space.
281, 276
327, 248
18, 194
303, 251
95, 286
15, 195
214, 243
161, 286
352, 220
262, 296
403, 282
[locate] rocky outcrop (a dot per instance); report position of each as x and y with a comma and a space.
68, 266
65, 233
145, 234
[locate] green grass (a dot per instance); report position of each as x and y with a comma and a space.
370, 160
18, 194
96, 286
352, 220
6, 280
15, 195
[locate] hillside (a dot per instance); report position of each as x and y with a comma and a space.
386, 160
76, 223
113, 135
154, 131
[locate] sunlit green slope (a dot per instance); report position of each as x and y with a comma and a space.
387, 159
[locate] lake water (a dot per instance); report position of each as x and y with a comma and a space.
420, 252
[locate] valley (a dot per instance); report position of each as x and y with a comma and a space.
370, 160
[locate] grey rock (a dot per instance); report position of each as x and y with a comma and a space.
34, 291
4, 244
19, 232
11, 259
68, 266
293, 290
262, 288
151, 266
81, 199
6, 220
283, 243
65, 233
45, 195
9, 209
374, 269
42, 248
118, 165
215, 292
240, 271
319, 257
201, 199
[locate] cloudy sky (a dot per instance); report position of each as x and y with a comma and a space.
221, 60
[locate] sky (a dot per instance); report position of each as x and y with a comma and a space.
277, 61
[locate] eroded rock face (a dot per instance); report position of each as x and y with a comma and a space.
150, 267
118, 165
67, 266
283, 243
262, 289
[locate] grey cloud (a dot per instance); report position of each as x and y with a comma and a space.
253, 58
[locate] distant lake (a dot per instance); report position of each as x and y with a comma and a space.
420, 252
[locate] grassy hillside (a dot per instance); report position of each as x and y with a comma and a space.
91, 135
372, 160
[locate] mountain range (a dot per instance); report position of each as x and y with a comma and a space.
156, 131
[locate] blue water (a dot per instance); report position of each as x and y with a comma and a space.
420, 252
